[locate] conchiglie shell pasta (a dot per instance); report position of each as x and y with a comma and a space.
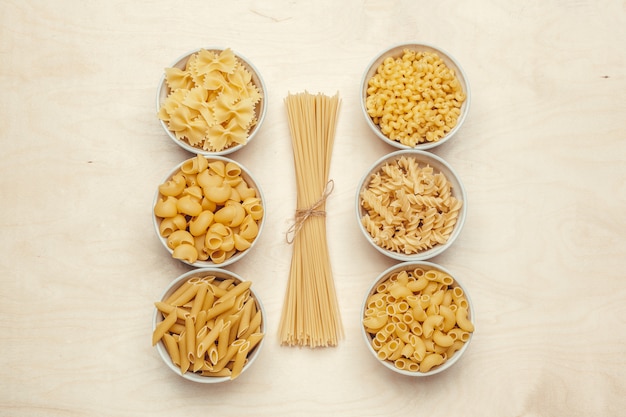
166, 207
232, 214
173, 187
204, 204
200, 224
171, 224
218, 194
179, 237
186, 251
241, 243
189, 206
253, 207
249, 229
209, 179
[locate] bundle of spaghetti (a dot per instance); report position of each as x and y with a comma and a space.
310, 315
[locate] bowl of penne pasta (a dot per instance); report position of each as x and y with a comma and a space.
414, 96
417, 319
411, 205
208, 325
208, 211
211, 101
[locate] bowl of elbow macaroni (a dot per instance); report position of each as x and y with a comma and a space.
417, 319
208, 325
411, 205
211, 101
208, 211
414, 96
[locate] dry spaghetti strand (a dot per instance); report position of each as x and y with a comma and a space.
310, 315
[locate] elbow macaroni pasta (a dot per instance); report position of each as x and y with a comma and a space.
415, 98
208, 217
209, 326
429, 332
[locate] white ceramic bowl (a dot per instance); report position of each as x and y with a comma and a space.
260, 108
157, 317
409, 266
439, 166
250, 181
396, 51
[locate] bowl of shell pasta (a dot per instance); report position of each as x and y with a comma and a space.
211, 101
415, 96
208, 211
208, 325
411, 205
417, 319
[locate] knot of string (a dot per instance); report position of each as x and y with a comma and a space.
314, 210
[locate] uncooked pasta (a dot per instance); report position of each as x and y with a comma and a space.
310, 315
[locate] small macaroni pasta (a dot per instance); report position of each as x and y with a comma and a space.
440, 324
213, 215
415, 98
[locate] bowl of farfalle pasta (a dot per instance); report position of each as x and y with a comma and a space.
414, 96
411, 205
208, 325
208, 211
417, 319
211, 101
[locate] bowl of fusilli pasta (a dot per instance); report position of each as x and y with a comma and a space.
411, 205
211, 101
414, 96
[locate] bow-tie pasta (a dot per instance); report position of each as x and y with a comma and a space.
212, 102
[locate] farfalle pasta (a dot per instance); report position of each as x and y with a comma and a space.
212, 102
207, 211
408, 208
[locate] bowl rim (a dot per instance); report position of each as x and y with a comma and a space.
255, 74
384, 275
447, 58
160, 345
208, 264
458, 191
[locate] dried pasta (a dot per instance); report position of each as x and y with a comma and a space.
204, 334
415, 98
425, 333
310, 315
408, 208
207, 211
212, 102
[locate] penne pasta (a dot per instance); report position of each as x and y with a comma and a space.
201, 329
163, 327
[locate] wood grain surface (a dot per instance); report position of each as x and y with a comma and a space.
542, 155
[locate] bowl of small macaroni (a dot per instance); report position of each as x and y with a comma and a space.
417, 319
211, 101
414, 96
208, 325
411, 205
208, 211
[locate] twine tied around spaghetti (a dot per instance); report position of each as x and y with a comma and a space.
302, 215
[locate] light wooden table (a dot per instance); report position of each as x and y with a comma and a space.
542, 155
